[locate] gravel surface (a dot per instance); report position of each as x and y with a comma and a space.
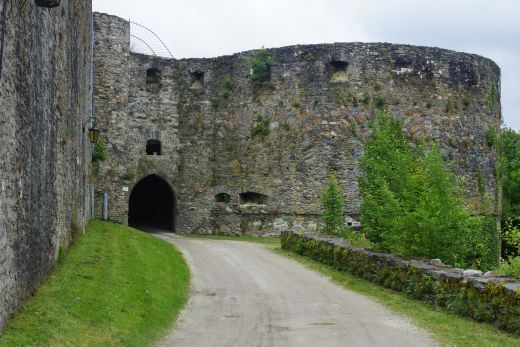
242, 294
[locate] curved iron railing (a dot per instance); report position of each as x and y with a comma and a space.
145, 41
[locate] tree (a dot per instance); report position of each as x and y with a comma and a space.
333, 204
510, 165
413, 205
509, 150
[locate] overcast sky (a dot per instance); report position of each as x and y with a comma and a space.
205, 28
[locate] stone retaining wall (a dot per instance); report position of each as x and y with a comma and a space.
484, 297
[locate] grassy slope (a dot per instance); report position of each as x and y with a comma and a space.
116, 286
447, 328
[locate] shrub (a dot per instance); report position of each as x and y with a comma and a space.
509, 172
379, 102
333, 205
229, 84
492, 95
510, 238
491, 136
261, 67
450, 106
296, 103
261, 126
100, 151
511, 267
465, 102
215, 102
413, 206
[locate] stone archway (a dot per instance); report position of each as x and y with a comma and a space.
152, 205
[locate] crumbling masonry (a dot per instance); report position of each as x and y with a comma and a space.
243, 158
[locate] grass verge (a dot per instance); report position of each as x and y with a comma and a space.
116, 287
447, 328
255, 239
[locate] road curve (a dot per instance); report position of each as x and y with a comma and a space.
245, 295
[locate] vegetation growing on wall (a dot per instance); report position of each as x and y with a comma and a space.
260, 69
491, 136
509, 173
413, 206
229, 85
492, 97
261, 126
99, 154
333, 205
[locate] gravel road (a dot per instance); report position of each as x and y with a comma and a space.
243, 294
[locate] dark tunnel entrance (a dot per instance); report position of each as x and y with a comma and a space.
152, 205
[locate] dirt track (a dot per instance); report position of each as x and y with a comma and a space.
245, 295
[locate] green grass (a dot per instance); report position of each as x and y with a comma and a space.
255, 239
447, 328
116, 287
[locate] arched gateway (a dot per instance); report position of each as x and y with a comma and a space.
152, 205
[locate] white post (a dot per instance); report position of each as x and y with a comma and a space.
105, 206
92, 203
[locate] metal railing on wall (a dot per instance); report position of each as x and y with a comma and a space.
145, 41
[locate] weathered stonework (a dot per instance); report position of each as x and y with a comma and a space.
315, 111
44, 148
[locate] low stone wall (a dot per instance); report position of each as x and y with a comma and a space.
484, 297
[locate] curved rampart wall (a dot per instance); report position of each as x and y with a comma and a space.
221, 134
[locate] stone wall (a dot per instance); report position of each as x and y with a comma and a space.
44, 148
313, 116
485, 297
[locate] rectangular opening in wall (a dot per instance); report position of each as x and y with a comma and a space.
197, 79
253, 198
223, 197
338, 71
153, 147
153, 76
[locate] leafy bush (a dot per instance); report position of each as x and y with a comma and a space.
229, 83
261, 67
510, 238
333, 204
379, 102
510, 173
296, 103
511, 267
100, 151
492, 95
261, 126
413, 206
465, 102
491, 136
